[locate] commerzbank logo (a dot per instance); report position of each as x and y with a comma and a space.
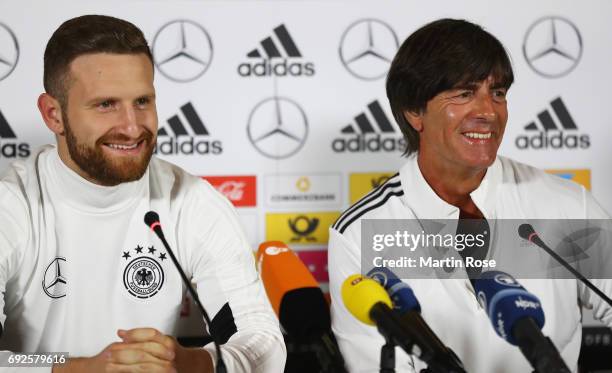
308, 228
552, 46
276, 55
303, 191
182, 50
9, 51
554, 129
10, 146
186, 136
371, 132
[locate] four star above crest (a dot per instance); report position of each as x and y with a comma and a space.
139, 249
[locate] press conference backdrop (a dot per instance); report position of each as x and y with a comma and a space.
281, 104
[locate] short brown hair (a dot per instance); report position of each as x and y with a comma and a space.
85, 35
442, 55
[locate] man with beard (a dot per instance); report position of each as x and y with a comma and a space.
447, 88
79, 269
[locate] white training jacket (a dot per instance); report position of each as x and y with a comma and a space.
77, 262
509, 190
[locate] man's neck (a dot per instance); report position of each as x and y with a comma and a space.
451, 183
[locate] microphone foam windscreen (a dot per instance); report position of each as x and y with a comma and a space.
304, 313
150, 218
282, 271
525, 230
400, 292
506, 301
360, 294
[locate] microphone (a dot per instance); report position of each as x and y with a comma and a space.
527, 232
299, 302
517, 317
439, 357
369, 303
151, 219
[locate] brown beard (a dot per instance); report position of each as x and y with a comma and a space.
104, 170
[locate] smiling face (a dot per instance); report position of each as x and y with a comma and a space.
462, 128
110, 122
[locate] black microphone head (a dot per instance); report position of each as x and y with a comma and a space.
304, 313
525, 231
151, 218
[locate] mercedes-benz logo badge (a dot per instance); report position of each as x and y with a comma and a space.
552, 46
54, 283
182, 50
367, 47
277, 127
9, 51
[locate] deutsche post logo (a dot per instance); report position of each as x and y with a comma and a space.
310, 228
303, 227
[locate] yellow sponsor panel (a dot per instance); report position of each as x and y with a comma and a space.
580, 176
362, 183
300, 228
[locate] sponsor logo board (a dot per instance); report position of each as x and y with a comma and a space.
361, 184
300, 228
240, 190
307, 190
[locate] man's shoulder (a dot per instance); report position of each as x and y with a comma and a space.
20, 177
526, 176
383, 202
541, 194
170, 180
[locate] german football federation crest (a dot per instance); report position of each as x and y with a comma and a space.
143, 276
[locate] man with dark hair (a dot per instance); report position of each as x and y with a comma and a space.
447, 88
79, 269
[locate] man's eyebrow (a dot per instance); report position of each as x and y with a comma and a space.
99, 99
147, 95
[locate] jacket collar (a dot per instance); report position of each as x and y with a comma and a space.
426, 204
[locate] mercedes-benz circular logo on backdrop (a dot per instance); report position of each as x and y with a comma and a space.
54, 283
277, 127
552, 46
9, 51
367, 47
182, 50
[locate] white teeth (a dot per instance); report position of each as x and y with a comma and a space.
123, 147
474, 135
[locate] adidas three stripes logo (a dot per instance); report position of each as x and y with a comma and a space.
547, 121
365, 126
6, 132
271, 48
193, 119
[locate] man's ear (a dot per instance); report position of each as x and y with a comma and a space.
51, 112
415, 119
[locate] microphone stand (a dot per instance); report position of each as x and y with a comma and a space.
152, 220
387, 357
